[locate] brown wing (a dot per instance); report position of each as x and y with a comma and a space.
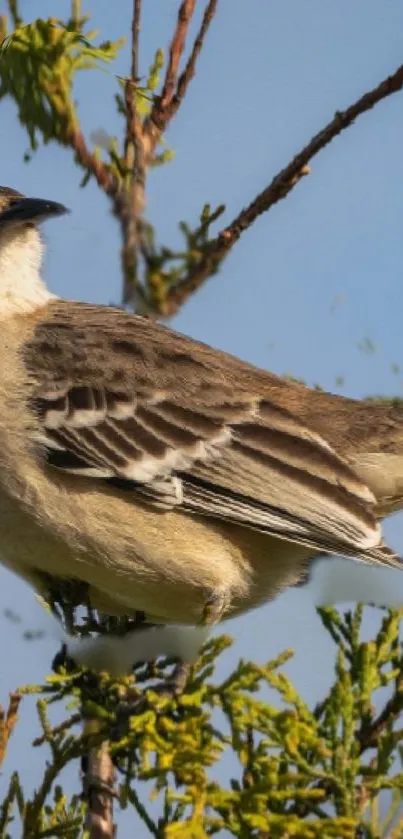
122, 399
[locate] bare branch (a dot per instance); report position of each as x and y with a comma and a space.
141, 139
92, 164
189, 71
133, 207
185, 14
166, 106
131, 86
278, 189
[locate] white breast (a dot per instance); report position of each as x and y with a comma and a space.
22, 288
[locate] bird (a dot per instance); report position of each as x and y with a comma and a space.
164, 477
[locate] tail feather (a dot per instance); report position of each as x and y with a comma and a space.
382, 555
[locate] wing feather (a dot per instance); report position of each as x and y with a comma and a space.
123, 399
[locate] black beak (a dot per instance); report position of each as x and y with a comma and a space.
31, 209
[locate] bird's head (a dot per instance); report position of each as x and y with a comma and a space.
20, 245
17, 211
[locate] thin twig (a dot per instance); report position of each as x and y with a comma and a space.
141, 138
93, 164
8, 721
142, 812
34, 809
278, 189
166, 106
132, 82
368, 735
135, 160
189, 71
76, 11
59, 729
185, 15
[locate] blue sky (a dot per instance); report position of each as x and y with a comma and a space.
310, 283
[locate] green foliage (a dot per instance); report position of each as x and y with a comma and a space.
144, 93
295, 771
166, 268
39, 62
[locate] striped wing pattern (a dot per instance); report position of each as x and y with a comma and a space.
189, 438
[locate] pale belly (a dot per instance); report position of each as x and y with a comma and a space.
165, 565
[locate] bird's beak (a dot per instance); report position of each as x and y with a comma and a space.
31, 209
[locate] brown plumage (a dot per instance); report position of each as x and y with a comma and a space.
162, 472
121, 398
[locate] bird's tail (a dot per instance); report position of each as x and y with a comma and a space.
382, 555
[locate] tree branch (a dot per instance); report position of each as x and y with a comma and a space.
189, 71
279, 188
166, 106
8, 721
133, 206
98, 786
132, 123
185, 15
92, 164
142, 138
368, 734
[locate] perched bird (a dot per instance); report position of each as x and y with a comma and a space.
165, 476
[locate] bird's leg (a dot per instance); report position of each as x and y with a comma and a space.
215, 607
213, 612
176, 685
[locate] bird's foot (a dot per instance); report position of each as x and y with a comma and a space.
215, 607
